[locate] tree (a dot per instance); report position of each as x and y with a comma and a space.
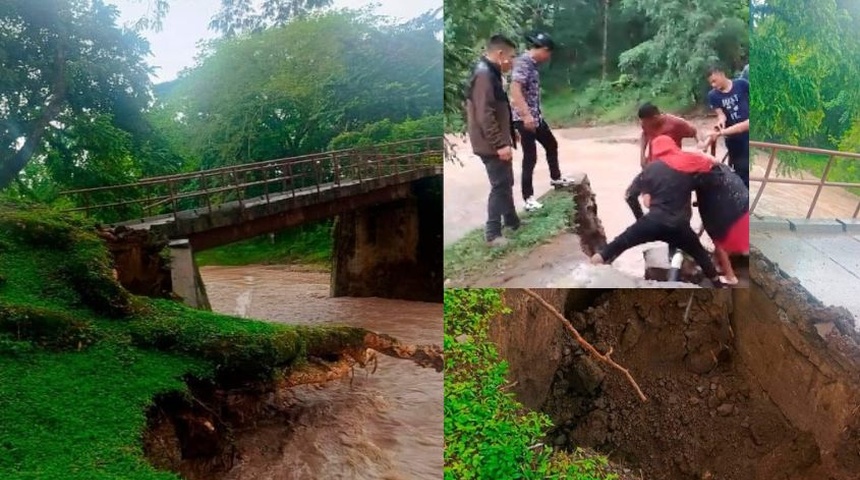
468, 25
65, 68
290, 90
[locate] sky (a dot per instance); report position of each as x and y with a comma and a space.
174, 47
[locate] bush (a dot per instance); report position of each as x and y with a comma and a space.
488, 434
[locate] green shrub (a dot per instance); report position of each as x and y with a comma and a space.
488, 434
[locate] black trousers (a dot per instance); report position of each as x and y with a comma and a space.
529, 140
739, 159
646, 229
500, 204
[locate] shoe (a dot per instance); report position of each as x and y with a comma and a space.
498, 242
518, 226
729, 280
532, 204
560, 182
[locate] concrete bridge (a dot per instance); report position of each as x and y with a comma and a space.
809, 226
386, 199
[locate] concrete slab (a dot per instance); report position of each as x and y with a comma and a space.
765, 223
852, 225
817, 225
828, 266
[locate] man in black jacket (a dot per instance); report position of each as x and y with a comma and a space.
492, 136
666, 193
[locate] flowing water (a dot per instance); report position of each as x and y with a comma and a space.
385, 425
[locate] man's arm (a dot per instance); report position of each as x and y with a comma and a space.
518, 100
484, 96
714, 103
737, 128
643, 147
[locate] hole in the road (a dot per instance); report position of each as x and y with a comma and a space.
743, 387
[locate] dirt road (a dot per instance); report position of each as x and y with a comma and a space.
792, 201
608, 155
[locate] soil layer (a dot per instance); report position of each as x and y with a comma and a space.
758, 384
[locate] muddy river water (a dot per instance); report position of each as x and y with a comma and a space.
386, 425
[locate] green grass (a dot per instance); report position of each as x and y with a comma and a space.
308, 244
471, 255
604, 104
488, 434
81, 360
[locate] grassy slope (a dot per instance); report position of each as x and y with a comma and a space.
81, 360
309, 245
470, 255
488, 434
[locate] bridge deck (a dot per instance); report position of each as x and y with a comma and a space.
823, 255
300, 196
146, 223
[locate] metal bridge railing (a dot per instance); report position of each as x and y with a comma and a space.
819, 183
207, 189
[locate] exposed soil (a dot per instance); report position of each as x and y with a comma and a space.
758, 384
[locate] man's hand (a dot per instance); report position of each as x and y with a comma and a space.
530, 123
505, 154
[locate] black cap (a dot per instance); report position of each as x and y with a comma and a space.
540, 40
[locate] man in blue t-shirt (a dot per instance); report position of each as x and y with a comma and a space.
731, 100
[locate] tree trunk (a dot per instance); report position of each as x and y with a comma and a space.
605, 37
9, 168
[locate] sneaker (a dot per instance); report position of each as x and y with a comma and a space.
532, 204
560, 181
729, 280
498, 242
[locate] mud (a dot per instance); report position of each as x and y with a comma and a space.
757, 384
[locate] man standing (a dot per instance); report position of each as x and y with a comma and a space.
491, 133
654, 124
731, 100
528, 117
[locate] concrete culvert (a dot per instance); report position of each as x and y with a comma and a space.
758, 384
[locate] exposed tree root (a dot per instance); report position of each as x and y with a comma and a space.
319, 371
423, 355
605, 358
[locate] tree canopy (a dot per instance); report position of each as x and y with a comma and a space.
807, 60
658, 44
78, 108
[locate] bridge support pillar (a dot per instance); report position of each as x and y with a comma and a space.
185, 276
391, 250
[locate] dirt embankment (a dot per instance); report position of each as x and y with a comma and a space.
758, 384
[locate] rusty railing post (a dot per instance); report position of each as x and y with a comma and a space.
820, 186
317, 172
238, 185
172, 191
766, 177
206, 192
336, 162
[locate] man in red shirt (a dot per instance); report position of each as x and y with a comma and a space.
654, 124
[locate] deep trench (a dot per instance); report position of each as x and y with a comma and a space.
757, 384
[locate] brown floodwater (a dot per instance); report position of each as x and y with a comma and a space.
386, 425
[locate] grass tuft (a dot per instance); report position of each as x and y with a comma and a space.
470, 255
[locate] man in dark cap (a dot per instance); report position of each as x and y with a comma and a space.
528, 116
